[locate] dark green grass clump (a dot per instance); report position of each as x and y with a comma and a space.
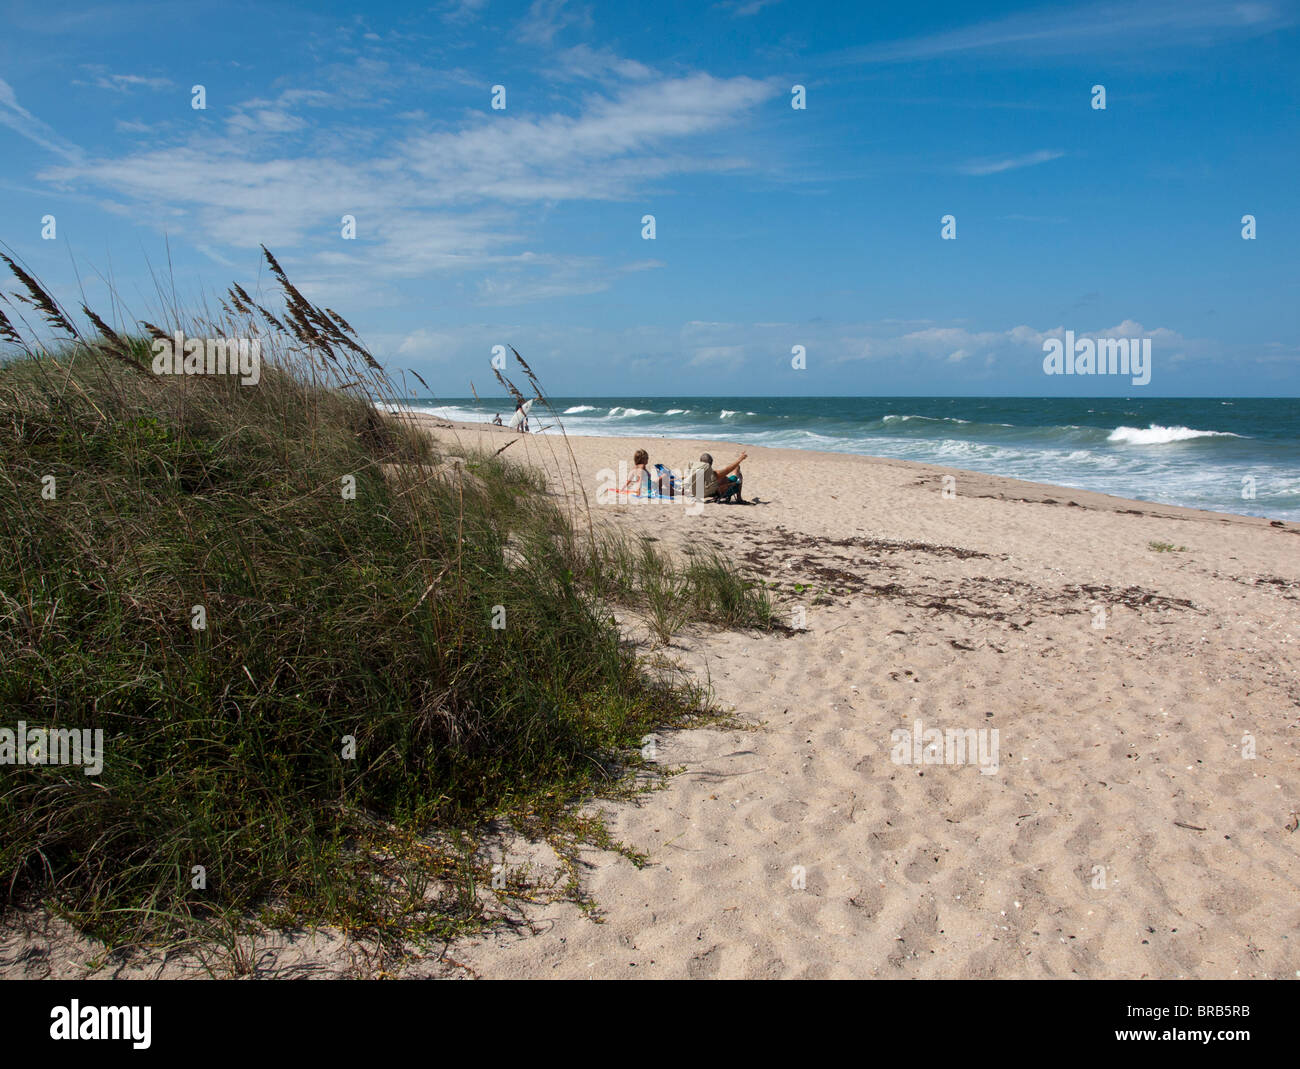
429, 653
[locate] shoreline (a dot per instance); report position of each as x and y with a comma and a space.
1005, 485
1239, 457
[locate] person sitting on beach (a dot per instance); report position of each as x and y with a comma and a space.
640, 473
496, 420
723, 484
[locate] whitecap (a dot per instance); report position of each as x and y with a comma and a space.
1157, 435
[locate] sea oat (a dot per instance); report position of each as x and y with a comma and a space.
41, 300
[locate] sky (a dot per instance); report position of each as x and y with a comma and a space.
774, 226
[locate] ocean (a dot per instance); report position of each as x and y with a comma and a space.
1228, 454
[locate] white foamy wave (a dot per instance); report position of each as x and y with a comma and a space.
1157, 435
579, 408
894, 418
619, 412
677, 412
453, 412
953, 447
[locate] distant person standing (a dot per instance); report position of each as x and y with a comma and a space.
522, 414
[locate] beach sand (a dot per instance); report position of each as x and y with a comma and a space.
1124, 833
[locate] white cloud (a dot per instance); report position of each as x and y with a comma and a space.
122, 83
583, 61
462, 11
723, 357
882, 341
455, 199
1088, 30
743, 9
599, 154
1010, 163
700, 357
546, 18
427, 344
25, 124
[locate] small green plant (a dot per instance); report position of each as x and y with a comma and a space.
705, 587
1165, 547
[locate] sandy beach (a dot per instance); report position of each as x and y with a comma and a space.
994, 672
1134, 816
1126, 832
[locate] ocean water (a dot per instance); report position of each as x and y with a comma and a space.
1208, 453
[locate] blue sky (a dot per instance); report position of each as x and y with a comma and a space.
775, 227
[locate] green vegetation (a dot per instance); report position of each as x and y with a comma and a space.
327, 619
669, 594
1165, 547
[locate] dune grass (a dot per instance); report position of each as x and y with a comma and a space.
670, 593
322, 655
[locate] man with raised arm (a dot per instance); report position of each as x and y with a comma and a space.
724, 484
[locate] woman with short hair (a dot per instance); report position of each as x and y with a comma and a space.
640, 473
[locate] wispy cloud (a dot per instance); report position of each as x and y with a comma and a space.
1009, 163
1017, 217
583, 61
25, 124
463, 11
1012, 347
561, 277
546, 18
456, 200
1085, 29
716, 351
743, 9
124, 83
719, 357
